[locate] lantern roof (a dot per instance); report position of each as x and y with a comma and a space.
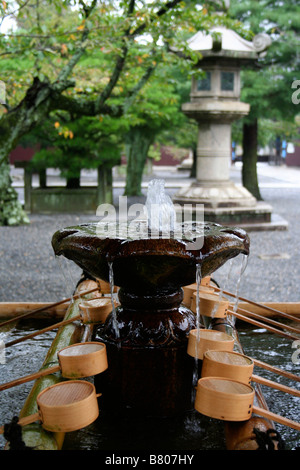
223, 42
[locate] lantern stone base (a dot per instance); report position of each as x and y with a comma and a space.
227, 204
216, 194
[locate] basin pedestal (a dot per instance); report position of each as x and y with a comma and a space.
149, 369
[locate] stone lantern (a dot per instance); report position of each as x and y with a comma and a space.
215, 104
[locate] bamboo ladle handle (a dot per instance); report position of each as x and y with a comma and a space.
270, 383
276, 370
277, 418
44, 330
30, 377
262, 325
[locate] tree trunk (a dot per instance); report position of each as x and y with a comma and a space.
11, 211
73, 182
138, 143
40, 99
249, 171
105, 185
13, 125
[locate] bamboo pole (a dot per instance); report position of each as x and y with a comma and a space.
291, 308
14, 309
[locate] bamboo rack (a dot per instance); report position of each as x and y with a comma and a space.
45, 306
44, 309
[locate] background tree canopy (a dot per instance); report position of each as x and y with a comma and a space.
85, 58
104, 71
268, 88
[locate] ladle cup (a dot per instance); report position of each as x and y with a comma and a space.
202, 340
96, 310
224, 399
76, 361
236, 366
230, 400
64, 407
189, 293
212, 305
227, 364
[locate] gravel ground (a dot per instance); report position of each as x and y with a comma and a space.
29, 270
273, 269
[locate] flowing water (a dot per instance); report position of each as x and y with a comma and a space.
159, 207
198, 323
112, 295
68, 274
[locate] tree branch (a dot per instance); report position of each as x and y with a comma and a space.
43, 97
119, 64
82, 107
163, 10
134, 92
122, 57
67, 69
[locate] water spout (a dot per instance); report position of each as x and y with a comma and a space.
160, 211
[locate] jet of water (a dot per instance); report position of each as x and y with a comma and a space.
160, 210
